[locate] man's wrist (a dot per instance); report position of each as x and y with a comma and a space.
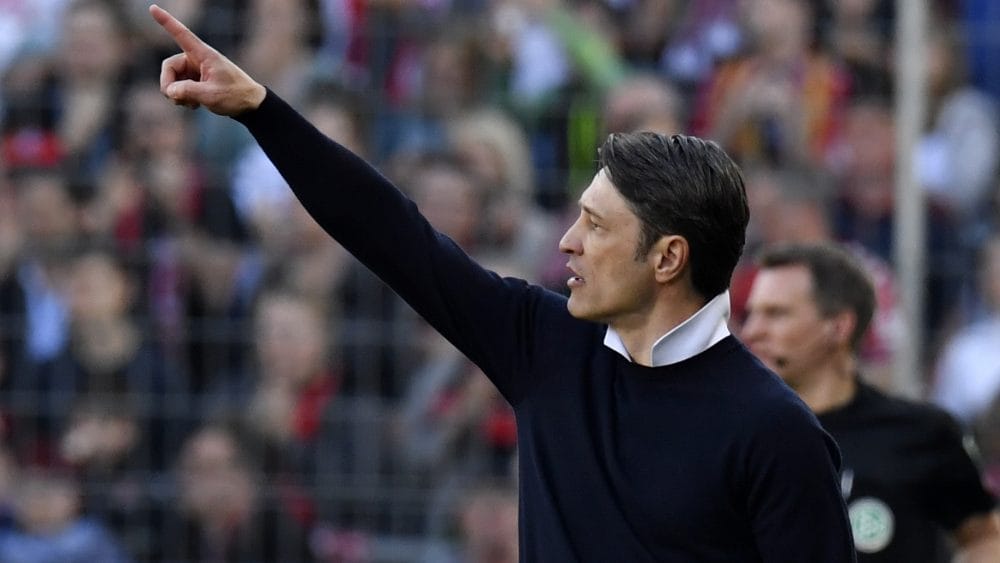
258, 93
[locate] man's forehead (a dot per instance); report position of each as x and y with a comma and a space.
786, 284
599, 177
601, 193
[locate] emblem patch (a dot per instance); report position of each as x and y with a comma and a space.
872, 524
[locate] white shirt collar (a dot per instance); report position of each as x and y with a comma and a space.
690, 338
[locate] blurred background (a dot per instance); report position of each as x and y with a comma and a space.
191, 370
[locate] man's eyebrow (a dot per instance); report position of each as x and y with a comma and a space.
590, 211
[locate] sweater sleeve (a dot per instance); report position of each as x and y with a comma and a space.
485, 316
794, 502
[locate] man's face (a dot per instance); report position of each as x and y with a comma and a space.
291, 341
784, 327
209, 476
608, 284
98, 289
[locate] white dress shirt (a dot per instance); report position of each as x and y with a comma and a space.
690, 338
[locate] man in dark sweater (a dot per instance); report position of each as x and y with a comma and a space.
908, 478
646, 432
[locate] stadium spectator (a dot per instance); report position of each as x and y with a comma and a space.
859, 34
107, 354
494, 147
781, 102
49, 526
106, 445
966, 381
224, 512
864, 207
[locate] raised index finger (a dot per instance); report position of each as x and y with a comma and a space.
184, 37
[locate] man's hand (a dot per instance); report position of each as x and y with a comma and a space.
201, 76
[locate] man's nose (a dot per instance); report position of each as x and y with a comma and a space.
570, 242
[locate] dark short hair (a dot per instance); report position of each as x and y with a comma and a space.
839, 281
686, 186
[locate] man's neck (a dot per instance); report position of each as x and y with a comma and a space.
639, 335
833, 385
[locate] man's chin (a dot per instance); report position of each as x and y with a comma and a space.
579, 311
769, 363
575, 309
779, 367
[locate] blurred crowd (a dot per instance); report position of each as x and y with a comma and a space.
192, 370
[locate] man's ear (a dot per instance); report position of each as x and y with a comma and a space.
670, 255
842, 325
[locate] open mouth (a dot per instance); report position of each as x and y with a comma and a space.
575, 280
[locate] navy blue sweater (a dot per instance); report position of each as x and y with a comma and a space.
709, 459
